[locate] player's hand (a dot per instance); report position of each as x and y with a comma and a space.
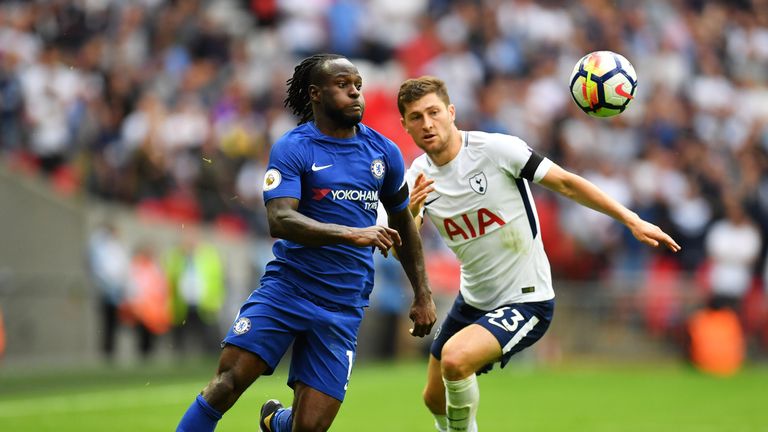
652, 235
423, 314
421, 188
378, 236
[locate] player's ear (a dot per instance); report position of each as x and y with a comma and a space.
452, 111
402, 122
314, 93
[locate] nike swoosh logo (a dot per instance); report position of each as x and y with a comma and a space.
432, 200
620, 91
318, 168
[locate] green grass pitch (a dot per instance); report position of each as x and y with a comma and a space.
387, 397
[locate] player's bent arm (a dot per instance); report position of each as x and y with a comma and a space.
411, 256
421, 188
418, 221
586, 193
410, 251
287, 223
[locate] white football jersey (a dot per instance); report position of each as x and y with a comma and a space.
483, 208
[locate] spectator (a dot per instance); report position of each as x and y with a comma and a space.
50, 95
716, 340
11, 105
109, 268
147, 304
388, 304
196, 277
2, 335
732, 245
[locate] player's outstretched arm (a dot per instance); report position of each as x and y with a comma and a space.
586, 193
287, 223
423, 312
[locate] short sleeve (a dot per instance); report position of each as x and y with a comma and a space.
284, 172
394, 191
514, 156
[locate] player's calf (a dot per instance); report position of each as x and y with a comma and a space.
311, 424
434, 399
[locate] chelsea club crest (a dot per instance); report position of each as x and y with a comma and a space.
377, 168
242, 325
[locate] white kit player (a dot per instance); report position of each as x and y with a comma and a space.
474, 186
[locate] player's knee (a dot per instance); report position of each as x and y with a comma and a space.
222, 392
226, 382
310, 424
454, 364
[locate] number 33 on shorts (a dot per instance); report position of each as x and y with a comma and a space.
505, 318
517, 325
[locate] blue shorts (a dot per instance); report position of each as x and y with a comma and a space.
324, 337
516, 326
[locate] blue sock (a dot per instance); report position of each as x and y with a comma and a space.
282, 421
200, 417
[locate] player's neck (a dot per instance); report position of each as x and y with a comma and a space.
450, 151
334, 130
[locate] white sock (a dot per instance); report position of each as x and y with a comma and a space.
441, 423
462, 398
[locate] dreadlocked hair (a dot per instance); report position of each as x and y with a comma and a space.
304, 74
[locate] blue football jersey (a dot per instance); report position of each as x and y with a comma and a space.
338, 181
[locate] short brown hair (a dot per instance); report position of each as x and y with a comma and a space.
416, 88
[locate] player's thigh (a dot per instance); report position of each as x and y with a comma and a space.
323, 356
434, 390
517, 326
313, 410
469, 350
266, 326
460, 316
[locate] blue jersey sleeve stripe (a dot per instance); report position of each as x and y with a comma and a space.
396, 200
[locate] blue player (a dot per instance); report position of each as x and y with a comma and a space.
323, 185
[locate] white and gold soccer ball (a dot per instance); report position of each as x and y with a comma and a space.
603, 83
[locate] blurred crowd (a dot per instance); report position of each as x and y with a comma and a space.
180, 290
171, 107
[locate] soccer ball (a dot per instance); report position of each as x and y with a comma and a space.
603, 83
